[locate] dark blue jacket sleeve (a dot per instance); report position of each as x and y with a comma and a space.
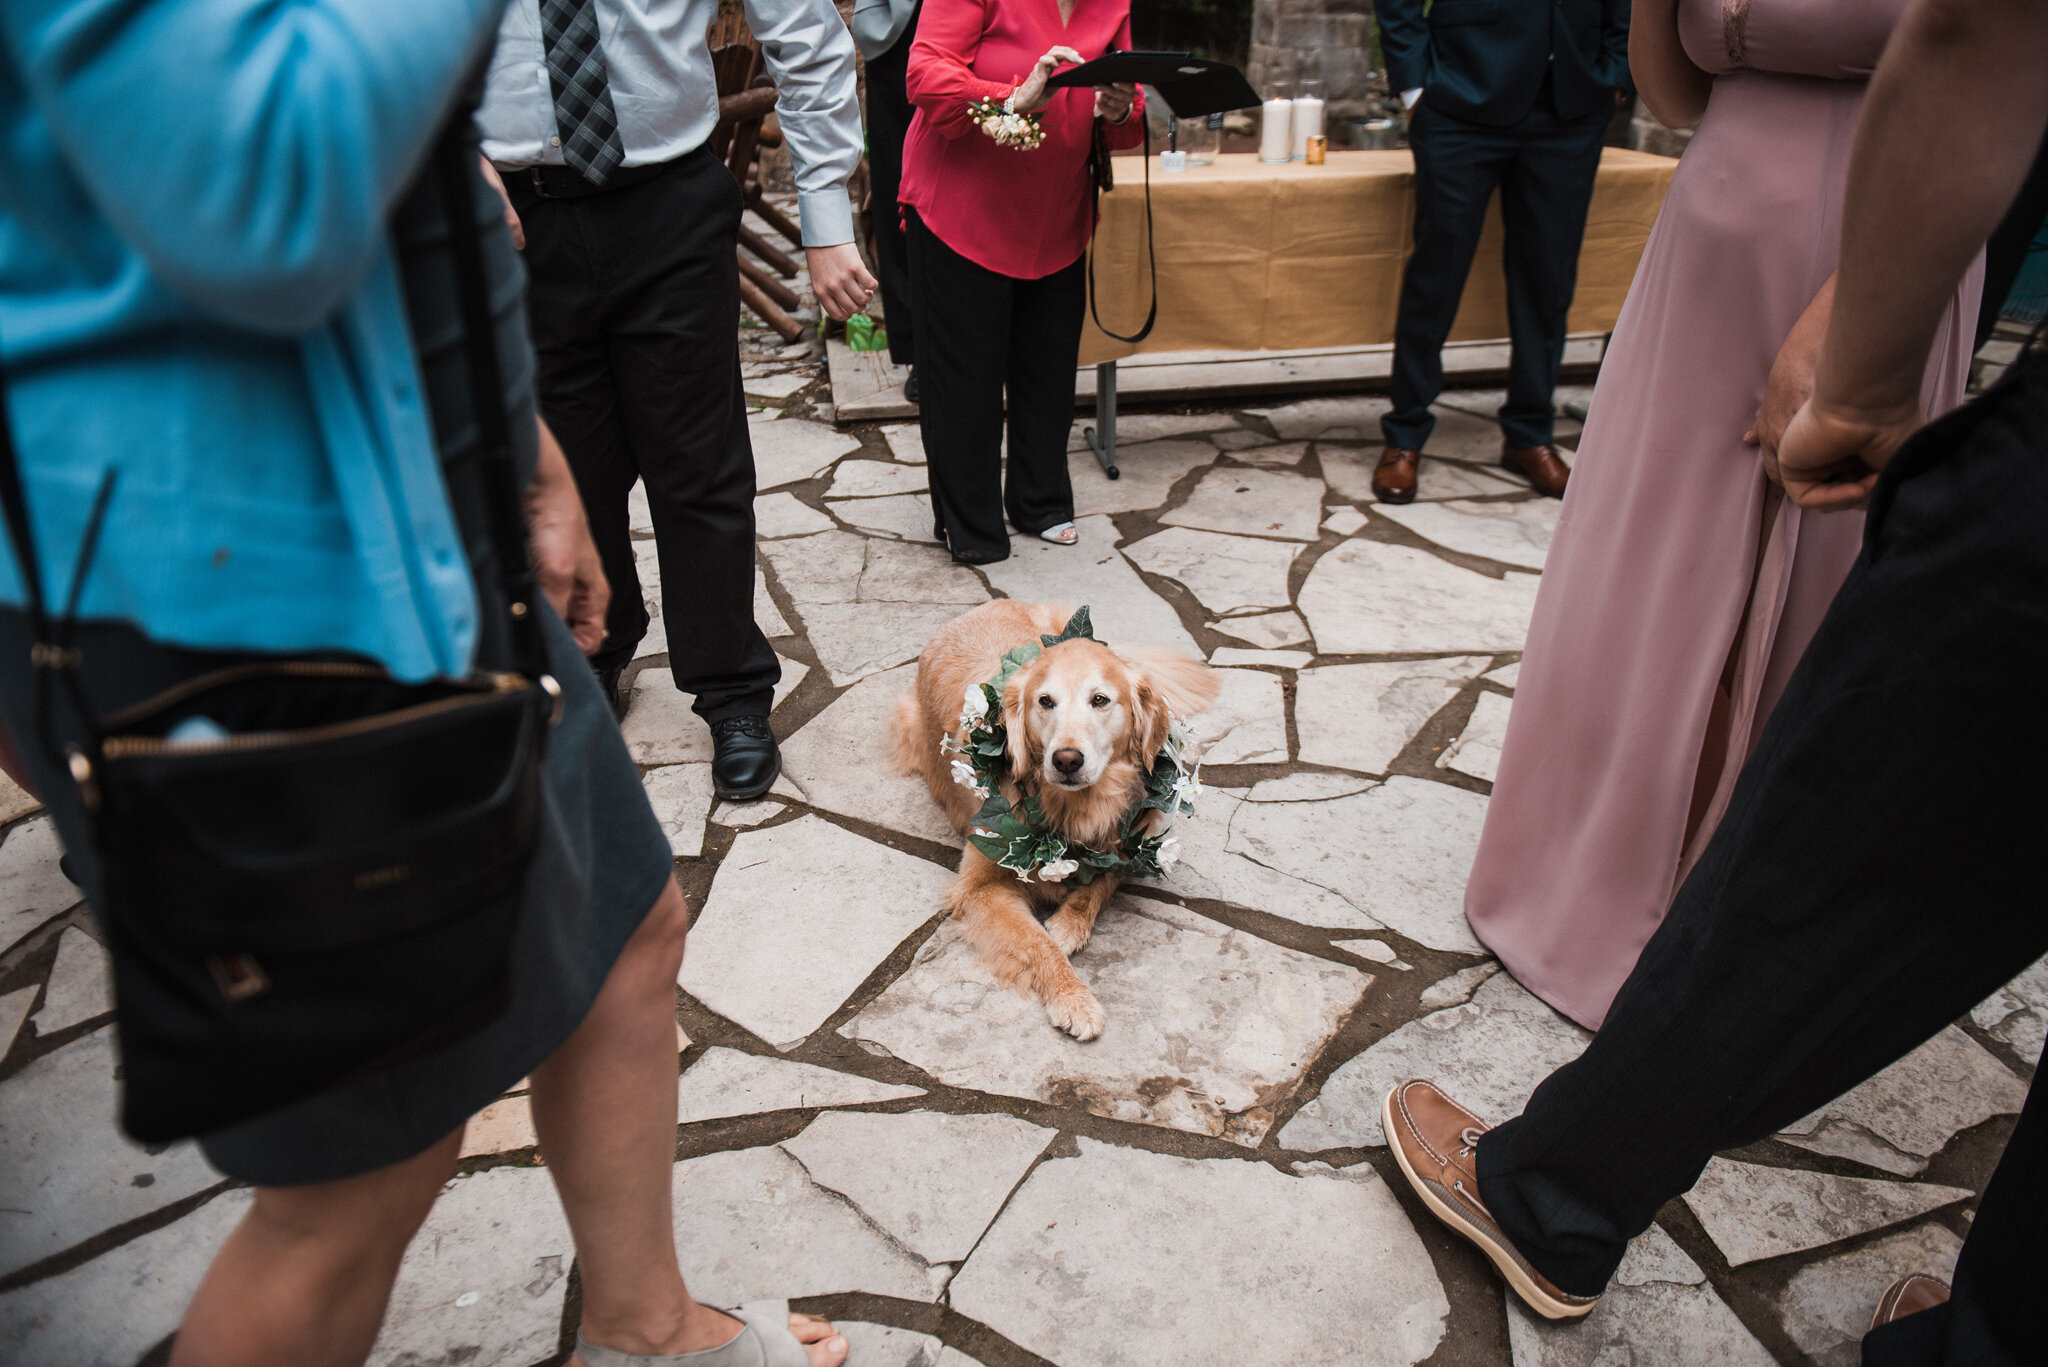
1614, 46
1404, 41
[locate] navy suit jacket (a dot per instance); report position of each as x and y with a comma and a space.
1483, 60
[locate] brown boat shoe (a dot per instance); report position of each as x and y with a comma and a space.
1909, 1296
1393, 479
1435, 1141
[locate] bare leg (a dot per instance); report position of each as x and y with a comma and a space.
604, 1105
305, 1277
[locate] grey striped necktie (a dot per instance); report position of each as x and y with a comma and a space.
584, 116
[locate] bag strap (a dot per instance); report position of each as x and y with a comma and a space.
1151, 259
505, 521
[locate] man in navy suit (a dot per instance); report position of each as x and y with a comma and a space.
1514, 94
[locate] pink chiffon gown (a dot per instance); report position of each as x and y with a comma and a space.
1670, 615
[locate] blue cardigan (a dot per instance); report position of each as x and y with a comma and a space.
198, 291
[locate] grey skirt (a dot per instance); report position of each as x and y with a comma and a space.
601, 864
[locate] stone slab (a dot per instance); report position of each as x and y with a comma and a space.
881, 1345
660, 728
1366, 598
483, 1282
840, 760
1511, 532
110, 1311
875, 479
1136, 429
1208, 1026
1125, 612
868, 604
1307, 786
1900, 1118
1270, 503
1208, 868
1285, 455
906, 442
1505, 676
740, 815
1247, 724
681, 796
1399, 852
1456, 989
1122, 1258
1476, 751
1344, 522
766, 615
725, 1082
639, 516
795, 449
1335, 419
776, 386
782, 514
1753, 1212
1656, 1323
1225, 656
1826, 1307
907, 517
1362, 716
1487, 1054
66, 1170
1239, 439
16, 801
32, 887
1348, 472
1226, 573
2018, 1012
1270, 630
1149, 472
804, 883
13, 1011
752, 1225
932, 1182
79, 986
501, 1127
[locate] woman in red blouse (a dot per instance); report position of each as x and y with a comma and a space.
996, 236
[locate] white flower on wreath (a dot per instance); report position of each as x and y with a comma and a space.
1186, 788
964, 775
974, 706
1169, 854
1056, 870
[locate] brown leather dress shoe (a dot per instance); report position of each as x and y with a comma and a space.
1909, 1296
1539, 465
1435, 1140
1393, 479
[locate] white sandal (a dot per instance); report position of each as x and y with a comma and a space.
764, 1342
1065, 534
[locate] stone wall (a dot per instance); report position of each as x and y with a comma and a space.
1327, 40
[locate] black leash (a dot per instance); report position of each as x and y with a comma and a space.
1104, 179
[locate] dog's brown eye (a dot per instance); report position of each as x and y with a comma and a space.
1045, 700
1098, 701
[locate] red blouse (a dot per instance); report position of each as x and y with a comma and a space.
1020, 213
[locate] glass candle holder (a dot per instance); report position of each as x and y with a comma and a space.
1276, 122
1307, 120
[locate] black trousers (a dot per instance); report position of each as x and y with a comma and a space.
1544, 168
633, 294
1864, 890
889, 111
981, 335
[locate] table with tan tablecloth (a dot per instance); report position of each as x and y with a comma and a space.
1255, 257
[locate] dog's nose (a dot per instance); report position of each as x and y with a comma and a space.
1067, 761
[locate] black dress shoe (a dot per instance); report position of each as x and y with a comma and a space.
910, 385
608, 681
744, 761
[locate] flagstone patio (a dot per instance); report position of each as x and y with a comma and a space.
872, 1126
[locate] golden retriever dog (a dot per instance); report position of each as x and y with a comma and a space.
1084, 725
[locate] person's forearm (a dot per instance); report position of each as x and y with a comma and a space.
1953, 116
1666, 79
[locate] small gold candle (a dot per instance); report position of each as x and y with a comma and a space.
1317, 148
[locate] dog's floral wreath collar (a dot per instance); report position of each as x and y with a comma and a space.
1016, 836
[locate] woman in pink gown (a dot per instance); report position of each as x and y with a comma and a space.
1681, 589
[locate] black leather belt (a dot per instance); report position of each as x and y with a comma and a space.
565, 182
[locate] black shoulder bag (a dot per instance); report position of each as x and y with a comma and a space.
333, 885
1102, 176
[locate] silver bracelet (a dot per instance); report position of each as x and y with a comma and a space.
1010, 105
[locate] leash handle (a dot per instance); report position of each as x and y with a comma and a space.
1151, 256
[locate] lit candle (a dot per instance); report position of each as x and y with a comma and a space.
1276, 120
1307, 123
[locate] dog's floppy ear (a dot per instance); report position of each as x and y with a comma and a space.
1187, 685
1023, 746
1149, 720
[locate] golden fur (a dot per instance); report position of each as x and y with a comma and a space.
1084, 724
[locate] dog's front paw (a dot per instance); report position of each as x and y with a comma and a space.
1076, 1011
1069, 931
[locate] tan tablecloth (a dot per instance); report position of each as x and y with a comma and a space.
1257, 258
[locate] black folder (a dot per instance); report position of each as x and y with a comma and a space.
1191, 86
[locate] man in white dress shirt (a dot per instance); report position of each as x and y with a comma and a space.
596, 115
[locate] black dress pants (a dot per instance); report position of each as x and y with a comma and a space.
889, 111
981, 335
634, 297
1544, 167
1866, 888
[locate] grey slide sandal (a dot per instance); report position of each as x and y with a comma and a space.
765, 1342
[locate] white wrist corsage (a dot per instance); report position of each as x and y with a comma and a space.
1005, 125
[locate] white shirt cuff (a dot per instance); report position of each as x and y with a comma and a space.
826, 216
1410, 96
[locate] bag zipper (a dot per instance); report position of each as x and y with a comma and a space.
136, 747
